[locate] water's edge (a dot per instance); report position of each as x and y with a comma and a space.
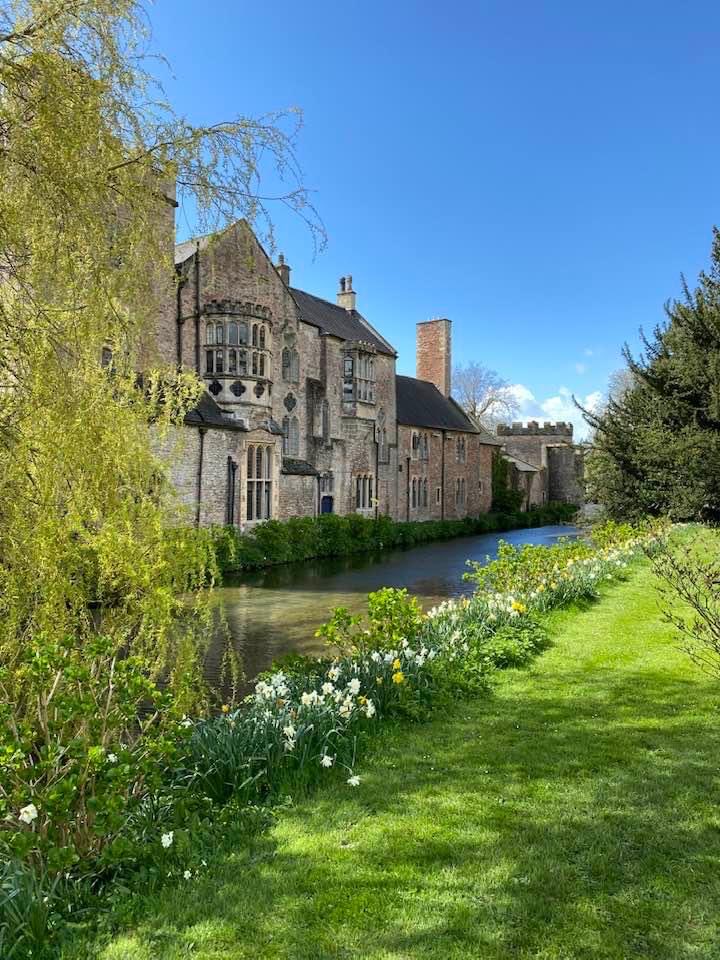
277, 610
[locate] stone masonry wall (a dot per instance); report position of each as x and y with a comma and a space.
433, 354
476, 471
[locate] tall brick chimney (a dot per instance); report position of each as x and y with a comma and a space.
346, 294
433, 359
284, 270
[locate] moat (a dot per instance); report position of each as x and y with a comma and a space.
276, 611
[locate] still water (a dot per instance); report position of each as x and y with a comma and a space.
276, 611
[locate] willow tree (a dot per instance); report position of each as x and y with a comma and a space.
92, 547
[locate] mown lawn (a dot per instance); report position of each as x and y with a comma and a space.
571, 814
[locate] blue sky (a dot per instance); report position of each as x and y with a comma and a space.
539, 172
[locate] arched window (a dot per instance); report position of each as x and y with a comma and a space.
232, 361
425, 492
242, 363
210, 334
413, 501
262, 364
254, 364
286, 436
262, 338
219, 361
255, 335
243, 331
286, 364
295, 366
294, 437
209, 361
219, 333
233, 334
259, 483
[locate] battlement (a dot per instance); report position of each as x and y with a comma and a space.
533, 429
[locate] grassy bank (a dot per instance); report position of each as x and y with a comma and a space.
573, 814
307, 538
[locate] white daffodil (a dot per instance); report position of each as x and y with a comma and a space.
333, 673
28, 814
326, 761
328, 689
370, 709
354, 686
112, 758
289, 731
375, 656
167, 838
188, 874
354, 781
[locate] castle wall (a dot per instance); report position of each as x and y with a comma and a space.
565, 470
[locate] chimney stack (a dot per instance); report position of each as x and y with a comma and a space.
346, 294
284, 270
434, 354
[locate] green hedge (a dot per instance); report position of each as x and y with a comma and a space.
305, 538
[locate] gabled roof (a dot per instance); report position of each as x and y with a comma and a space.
420, 404
337, 321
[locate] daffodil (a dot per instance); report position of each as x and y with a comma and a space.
28, 814
398, 677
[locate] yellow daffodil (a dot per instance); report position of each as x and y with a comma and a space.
398, 677
396, 664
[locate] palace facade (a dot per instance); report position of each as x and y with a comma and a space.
304, 412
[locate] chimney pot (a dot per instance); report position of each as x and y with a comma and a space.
346, 294
283, 270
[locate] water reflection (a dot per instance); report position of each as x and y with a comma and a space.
275, 611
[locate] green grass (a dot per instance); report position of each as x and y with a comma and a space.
571, 814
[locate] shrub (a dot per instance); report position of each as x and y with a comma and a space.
690, 572
330, 535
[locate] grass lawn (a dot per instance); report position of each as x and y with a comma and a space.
571, 814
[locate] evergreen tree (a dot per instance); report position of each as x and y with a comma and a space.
656, 446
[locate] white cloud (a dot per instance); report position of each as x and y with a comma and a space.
580, 367
558, 407
524, 397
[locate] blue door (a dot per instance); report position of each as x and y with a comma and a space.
326, 505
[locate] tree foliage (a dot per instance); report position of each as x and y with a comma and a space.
484, 395
656, 446
96, 565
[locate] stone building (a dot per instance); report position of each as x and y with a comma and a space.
444, 459
546, 463
304, 412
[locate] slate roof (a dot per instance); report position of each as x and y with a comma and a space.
522, 465
337, 321
183, 251
298, 468
208, 414
420, 404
